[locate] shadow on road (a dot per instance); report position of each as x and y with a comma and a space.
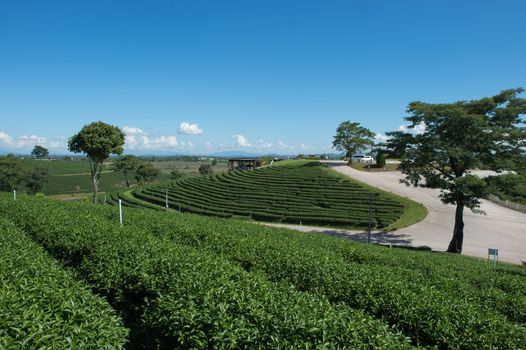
385, 238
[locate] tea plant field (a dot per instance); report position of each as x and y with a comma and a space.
297, 192
188, 281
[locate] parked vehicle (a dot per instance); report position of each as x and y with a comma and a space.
360, 158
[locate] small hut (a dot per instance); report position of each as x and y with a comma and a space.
243, 163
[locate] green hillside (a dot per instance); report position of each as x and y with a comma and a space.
296, 192
182, 280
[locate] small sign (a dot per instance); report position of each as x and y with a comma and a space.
493, 251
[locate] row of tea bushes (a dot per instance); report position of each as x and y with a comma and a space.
172, 295
42, 306
292, 194
436, 299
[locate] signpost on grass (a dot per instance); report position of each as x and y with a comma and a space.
166, 198
14, 195
495, 253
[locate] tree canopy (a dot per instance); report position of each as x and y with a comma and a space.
97, 140
352, 138
14, 176
457, 138
40, 152
127, 164
205, 169
146, 172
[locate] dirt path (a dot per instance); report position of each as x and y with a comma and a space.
501, 228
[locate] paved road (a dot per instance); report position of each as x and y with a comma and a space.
500, 228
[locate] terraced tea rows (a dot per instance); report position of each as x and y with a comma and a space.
175, 296
187, 281
42, 306
307, 194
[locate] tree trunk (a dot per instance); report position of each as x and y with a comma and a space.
455, 246
95, 175
125, 172
95, 187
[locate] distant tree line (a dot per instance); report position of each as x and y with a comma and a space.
15, 176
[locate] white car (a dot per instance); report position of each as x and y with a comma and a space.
359, 158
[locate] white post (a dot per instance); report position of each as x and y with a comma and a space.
14, 195
120, 211
104, 198
166, 198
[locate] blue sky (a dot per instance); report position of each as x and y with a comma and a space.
257, 76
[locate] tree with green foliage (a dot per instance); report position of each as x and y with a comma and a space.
97, 140
205, 169
12, 173
456, 138
146, 172
380, 158
176, 174
352, 138
14, 176
40, 152
127, 164
35, 179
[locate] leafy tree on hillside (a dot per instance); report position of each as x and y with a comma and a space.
146, 172
40, 152
352, 138
176, 174
12, 173
14, 176
458, 137
36, 179
205, 169
127, 164
97, 140
380, 158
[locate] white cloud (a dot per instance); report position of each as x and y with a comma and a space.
417, 130
283, 146
307, 147
26, 142
5, 139
242, 141
31, 140
136, 139
129, 130
189, 129
208, 145
160, 142
263, 144
380, 138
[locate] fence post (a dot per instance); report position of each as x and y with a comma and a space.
120, 211
369, 224
14, 195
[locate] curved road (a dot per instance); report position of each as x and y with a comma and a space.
500, 228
